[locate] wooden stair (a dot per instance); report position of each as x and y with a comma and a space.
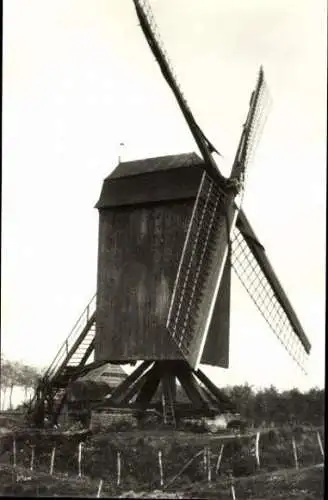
69, 362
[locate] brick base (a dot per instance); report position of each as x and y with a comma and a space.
103, 420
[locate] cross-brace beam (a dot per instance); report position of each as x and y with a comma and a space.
139, 391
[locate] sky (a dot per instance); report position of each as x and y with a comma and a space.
79, 79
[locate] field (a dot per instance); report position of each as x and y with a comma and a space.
144, 463
306, 484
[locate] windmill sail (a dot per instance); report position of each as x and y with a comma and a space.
207, 243
200, 271
151, 33
259, 107
213, 224
214, 216
254, 270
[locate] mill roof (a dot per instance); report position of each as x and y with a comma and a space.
164, 178
106, 373
156, 164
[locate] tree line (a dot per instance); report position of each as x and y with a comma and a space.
266, 406
270, 406
16, 374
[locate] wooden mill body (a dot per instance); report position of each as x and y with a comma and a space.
145, 208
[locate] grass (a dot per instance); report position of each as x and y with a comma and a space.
305, 484
140, 469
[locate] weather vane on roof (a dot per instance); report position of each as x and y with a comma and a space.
121, 152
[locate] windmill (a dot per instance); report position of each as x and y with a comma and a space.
217, 237
171, 229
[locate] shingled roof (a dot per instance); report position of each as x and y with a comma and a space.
160, 163
97, 383
110, 373
164, 178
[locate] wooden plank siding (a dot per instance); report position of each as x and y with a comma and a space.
139, 253
141, 237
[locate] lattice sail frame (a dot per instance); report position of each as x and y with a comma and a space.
259, 107
145, 6
258, 287
260, 104
208, 240
254, 129
151, 32
200, 270
198, 262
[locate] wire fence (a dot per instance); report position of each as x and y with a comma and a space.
146, 465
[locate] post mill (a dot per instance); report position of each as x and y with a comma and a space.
171, 229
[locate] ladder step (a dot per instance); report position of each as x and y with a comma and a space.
167, 403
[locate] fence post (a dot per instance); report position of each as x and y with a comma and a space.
14, 453
320, 444
295, 452
209, 472
232, 487
99, 488
118, 468
79, 459
52, 461
219, 459
32, 457
160, 467
205, 459
257, 450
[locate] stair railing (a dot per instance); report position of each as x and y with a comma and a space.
62, 354
68, 343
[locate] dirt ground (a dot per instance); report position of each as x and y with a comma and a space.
139, 464
301, 485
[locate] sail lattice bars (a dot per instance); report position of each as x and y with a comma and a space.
259, 108
201, 269
250, 263
151, 33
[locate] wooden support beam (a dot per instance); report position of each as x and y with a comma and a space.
205, 398
132, 391
125, 385
208, 395
171, 378
189, 384
62, 380
219, 395
150, 386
